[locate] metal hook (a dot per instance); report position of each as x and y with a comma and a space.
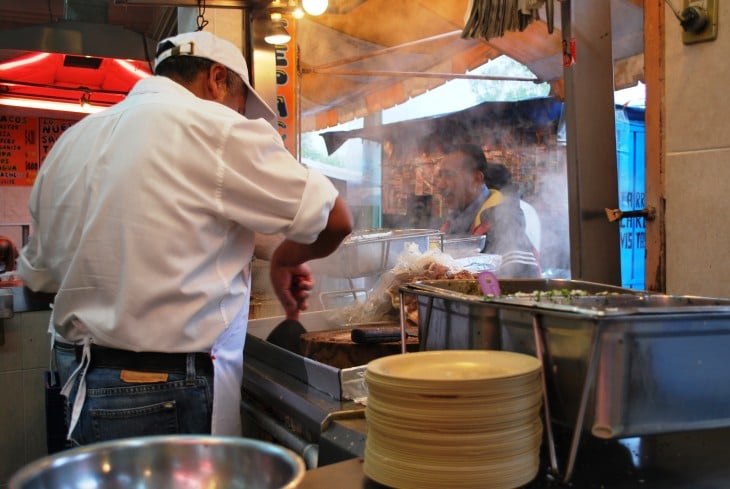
200, 19
648, 213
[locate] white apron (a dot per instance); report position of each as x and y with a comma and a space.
227, 355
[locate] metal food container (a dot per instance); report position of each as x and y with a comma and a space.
618, 362
454, 315
460, 246
365, 253
637, 365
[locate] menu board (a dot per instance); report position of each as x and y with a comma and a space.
24, 143
50, 130
18, 150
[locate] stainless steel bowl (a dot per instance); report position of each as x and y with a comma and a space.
164, 462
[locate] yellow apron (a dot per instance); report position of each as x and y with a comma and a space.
495, 198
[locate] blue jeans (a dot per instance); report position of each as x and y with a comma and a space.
118, 409
64, 357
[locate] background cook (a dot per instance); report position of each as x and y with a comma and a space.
478, 210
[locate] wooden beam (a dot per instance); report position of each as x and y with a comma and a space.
654, 64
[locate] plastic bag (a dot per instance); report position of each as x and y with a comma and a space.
383, 300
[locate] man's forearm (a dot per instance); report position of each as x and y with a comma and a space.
339, 226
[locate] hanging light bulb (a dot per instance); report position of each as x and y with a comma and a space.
314, 7
277, 33
295, 9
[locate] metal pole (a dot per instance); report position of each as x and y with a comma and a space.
378, 52
418, 74
591, 140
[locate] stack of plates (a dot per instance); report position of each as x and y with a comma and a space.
453, 418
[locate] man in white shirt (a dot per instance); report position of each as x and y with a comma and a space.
144, 218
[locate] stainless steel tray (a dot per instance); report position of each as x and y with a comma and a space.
620, 364
366, 253
461, 246
453, 314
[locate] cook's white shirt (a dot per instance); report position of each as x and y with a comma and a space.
143, 222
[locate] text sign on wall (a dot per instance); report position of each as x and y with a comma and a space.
18, 150
286, 87
50, 130
24, 143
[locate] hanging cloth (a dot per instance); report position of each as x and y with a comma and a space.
486, 19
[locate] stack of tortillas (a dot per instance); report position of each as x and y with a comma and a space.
453, 418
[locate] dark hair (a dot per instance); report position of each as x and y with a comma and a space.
497, 176
474, 156
8, 254
186, 68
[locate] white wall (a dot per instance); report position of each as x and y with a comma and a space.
24, 358
697, 124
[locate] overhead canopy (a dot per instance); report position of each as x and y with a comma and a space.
361, 55
366, 55
531, 118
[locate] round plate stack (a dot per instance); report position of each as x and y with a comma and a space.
453, 418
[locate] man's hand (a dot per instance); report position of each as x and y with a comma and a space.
290, 276
292, 286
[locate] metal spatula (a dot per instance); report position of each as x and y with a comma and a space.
287, 335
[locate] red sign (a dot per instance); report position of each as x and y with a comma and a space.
24, 143
18, 150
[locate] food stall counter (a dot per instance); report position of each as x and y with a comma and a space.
680, 461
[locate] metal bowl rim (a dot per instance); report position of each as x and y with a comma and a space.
34, 468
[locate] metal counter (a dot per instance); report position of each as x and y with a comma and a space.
695, 460
303, 404
690, 460
19, 299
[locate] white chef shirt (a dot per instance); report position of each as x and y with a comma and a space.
144, 216
533, 229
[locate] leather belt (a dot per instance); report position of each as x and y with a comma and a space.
104, 357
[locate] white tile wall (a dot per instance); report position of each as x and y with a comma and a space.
697, 169
23, 361
14, 205
697, 238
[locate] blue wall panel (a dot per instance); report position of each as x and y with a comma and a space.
630, 156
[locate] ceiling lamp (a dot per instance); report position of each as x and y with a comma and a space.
298, 13
314, 7
277, 33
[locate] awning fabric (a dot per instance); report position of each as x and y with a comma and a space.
356, 58
529, 117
